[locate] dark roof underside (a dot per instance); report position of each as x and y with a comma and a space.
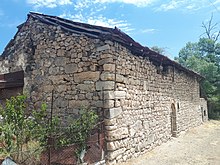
11, 80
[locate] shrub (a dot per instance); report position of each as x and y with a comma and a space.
21, 129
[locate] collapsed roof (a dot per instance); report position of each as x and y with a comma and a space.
113, 34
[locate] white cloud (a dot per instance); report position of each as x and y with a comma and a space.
216, 2
48, 3
216, 5
99, 21
174, 4
106, 22
76, 17
80, 4
148, 30
138, 3
186, 5
103, 21
191, 7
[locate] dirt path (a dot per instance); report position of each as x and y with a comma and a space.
198, 146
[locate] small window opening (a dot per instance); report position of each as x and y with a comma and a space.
178, 106
165, 70
204, 112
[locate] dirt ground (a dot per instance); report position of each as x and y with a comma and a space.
197, 146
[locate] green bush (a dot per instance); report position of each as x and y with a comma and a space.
20, 128
79, 130
24, 132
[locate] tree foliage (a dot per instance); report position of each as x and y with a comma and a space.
21, 133
25, 132
204, 57
78, 131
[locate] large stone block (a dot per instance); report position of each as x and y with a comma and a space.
108, 104
78, 103
113, 112
85, 87
108, 76
106, 56
115, 145
120, 94
112, 155
104, 47
60, 61
105, 61
117, 134
111, 127
58, 79
108, 95
110, 121
89, 95
60, 102
97, 103
84, 76
120, 78
71, 68
61, 88
110, 146
109, 67
105, 85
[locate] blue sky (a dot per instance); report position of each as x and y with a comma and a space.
169, 24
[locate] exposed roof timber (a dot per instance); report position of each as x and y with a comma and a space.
78, 27
11, 80
4, 85
115, 35
68, 26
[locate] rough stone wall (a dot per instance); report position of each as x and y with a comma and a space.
69, 64
134, 94
141, 116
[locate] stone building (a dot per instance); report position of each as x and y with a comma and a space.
145, 97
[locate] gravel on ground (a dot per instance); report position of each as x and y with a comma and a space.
197, 146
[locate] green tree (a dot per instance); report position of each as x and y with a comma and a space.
79, 130
204, 57
21, 132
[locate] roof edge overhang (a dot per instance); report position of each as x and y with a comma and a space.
12, 80
110, 34
105, 33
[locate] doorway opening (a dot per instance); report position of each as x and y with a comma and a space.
173, 121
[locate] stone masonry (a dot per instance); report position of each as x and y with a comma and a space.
137, 96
